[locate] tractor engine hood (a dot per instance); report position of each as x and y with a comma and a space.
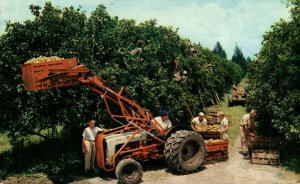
119, 139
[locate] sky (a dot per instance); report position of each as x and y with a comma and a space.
231, 22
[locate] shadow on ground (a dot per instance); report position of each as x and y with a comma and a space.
59, 160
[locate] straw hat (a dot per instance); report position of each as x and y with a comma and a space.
201, 114
220, 113
253, 112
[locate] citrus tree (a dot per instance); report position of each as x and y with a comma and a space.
274, 78
140, 56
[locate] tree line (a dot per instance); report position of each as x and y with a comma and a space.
238, 56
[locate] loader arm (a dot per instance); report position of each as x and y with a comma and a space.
41, 76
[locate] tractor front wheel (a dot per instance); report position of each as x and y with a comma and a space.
185, 151
129, 171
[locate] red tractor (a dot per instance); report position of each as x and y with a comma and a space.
139, 138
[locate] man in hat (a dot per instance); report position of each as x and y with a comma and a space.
88, 145
163, 120
224, 125
183, 76
234, 90
198, 121
247, 129
234, 86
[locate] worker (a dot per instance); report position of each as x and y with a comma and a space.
242, 92
183, 76
246, 84
177, 77
164, 120
224, 125
234, 85
234, 90
88, 145
247, 129
198, 121
175, 67
137, 51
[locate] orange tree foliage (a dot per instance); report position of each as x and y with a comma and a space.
103, 44
275, 78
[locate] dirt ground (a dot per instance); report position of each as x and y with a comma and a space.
234, 171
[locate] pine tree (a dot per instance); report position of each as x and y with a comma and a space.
249, 60
239, 58
218, 50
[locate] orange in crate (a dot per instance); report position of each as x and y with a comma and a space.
35, 75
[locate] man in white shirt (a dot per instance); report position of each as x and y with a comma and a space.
224, 125
88, 144
247, 129
163, 120
198, 121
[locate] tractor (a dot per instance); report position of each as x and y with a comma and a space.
237, 97
138, 138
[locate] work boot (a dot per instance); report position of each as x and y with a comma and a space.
96, 170
86, 172
246, 156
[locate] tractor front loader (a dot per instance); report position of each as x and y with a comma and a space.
138, 138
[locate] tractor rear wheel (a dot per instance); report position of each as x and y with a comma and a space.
185, 151
129, 171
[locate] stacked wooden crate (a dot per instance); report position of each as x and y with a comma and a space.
264, 151
216, 148
216, 151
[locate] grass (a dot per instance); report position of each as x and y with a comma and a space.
4, 143
5, 152
236, 112
27, 175
35, 157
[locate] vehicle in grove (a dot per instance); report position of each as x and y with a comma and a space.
139, 136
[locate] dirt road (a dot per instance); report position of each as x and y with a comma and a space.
234, 171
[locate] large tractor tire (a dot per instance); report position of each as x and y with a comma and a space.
185, 151
129, 171
230, 101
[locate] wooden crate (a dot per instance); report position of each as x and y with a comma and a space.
261, 161
215, 147
210, 135
211, 120
265, 156
219, 156
216, 152
213, 110
215, 157
35, 75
